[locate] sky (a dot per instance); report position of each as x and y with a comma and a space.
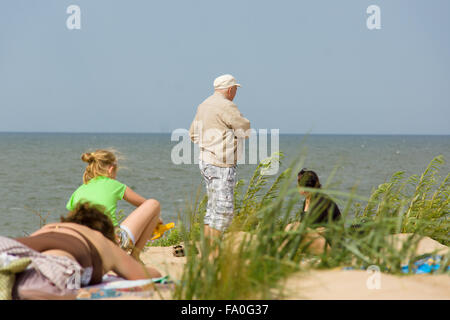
305, 66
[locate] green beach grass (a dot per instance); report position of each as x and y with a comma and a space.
257, 251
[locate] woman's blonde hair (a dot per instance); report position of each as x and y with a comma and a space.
99, 164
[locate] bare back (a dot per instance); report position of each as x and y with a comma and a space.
113, 258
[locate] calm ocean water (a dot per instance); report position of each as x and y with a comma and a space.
39, 171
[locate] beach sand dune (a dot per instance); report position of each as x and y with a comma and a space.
162, 259
342, 284
336, 283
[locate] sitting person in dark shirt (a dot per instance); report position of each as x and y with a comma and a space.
317, 205
317, 209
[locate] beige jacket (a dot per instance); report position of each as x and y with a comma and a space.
216, 127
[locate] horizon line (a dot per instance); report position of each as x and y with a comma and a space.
281, 134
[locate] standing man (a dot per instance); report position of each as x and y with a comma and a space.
216, 128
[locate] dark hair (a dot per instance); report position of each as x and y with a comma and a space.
92, 217
308, 178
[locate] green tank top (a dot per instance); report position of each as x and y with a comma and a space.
102, 191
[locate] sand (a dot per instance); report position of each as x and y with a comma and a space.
352, 285
336, 283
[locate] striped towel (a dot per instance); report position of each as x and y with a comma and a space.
63, 272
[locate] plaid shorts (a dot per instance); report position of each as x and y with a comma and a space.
220, 184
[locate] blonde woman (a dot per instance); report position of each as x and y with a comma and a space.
101, 188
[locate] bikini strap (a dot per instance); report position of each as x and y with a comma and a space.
91, 246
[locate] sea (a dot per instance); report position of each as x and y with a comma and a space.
39, 171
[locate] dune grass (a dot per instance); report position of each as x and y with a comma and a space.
264, 252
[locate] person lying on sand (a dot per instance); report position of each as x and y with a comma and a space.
75, 252
100, 187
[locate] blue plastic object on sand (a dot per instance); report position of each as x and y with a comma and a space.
429, 264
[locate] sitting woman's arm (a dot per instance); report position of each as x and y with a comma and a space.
133, 198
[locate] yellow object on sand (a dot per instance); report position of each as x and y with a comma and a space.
161, 228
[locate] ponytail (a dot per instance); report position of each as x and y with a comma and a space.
99, 163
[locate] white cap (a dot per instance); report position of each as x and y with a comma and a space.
225, 81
